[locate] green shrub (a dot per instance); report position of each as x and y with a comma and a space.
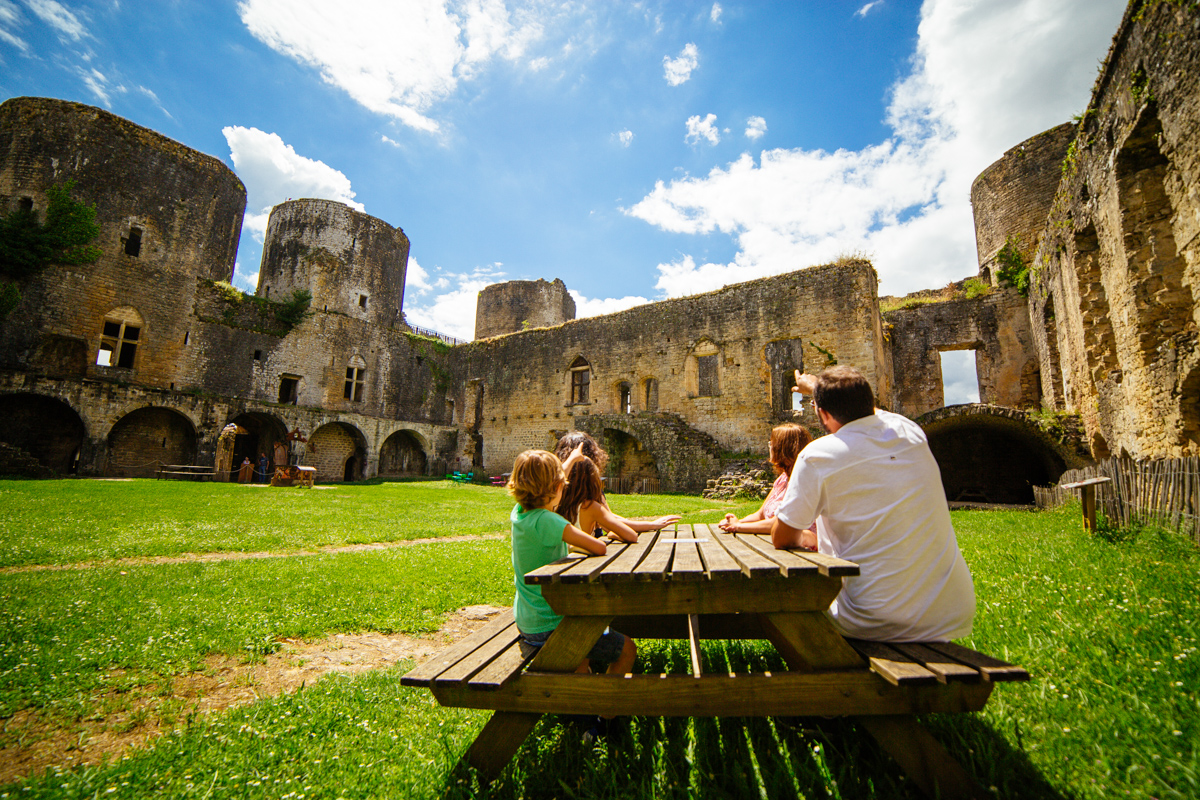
291, 312
28, 246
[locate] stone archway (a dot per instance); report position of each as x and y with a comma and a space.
46, 428
262, 432
402, 454
146, 438
992, 454
339, 452
630, 465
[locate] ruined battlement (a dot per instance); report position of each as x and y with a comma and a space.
520, 305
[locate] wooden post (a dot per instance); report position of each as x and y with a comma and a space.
1088, 498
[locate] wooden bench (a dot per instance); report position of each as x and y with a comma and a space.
184, 471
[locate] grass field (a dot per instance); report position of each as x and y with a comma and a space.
1108, 629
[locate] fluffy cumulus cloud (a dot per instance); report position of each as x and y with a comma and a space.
595, 307
679, 69
756, 128
987, 74
625, 137
705, 129
715, 14
396, 59
444, 301
273, 172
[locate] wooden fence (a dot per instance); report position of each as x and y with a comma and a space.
631, 485
1164, 492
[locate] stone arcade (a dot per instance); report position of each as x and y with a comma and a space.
145, 356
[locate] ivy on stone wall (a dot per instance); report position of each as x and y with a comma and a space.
1011, 267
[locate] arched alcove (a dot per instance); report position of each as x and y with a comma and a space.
629, 463
262, 432
44, 427
402, 454
143, 439
339, 452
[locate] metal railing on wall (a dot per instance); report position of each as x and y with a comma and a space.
434, 334
1163, 492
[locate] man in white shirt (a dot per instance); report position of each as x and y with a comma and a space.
876, 492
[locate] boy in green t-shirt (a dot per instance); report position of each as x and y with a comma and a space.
541, 537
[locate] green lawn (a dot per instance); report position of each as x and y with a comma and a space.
1108, 630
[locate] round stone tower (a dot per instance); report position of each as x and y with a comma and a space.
519, 305
352, 263
168, 216
1012, 197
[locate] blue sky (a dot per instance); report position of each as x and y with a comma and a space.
637, 150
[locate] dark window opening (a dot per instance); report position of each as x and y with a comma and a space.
626, 401
362, 301
707, 368
133, 245
186, 336
581, 379
25, 204
121, 340
355, 378
258, 355
289, 389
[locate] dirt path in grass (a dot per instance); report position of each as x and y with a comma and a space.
31, 742
202, 558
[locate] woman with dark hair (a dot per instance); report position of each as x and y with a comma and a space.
787, 440
583, 500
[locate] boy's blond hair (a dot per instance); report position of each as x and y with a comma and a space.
536, 476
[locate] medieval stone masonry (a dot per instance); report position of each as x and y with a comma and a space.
1084, 312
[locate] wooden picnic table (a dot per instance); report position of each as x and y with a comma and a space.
695, 583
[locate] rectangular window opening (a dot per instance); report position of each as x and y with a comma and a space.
362, 301
133, 244
580, 384
258, 355
707, 368
289, 389
355, 378
960, 377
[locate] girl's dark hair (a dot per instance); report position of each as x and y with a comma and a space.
787, 440
591, 449
583, 485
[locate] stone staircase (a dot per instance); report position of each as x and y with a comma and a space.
684, 456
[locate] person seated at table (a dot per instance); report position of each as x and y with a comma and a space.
540, 537
876, 493
583, 500
786, 442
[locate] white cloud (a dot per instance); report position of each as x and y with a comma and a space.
679, 70
862, 12
625, 138
715, 14
273, 172
756, 128
960, 378
247, 282
388, 140
394, 58
10, 20
98, 85
698, 129
58, 17
987, 74
588, 307
428, 305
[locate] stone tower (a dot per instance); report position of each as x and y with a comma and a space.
519, 305
168, 215
353, 263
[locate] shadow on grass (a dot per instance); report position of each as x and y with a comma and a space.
740, 757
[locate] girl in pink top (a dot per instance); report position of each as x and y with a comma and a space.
787, 440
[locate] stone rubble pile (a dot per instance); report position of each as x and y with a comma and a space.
741, 480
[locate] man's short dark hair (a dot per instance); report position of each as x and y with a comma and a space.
844, 394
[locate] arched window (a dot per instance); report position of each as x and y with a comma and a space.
581, 379
625, 397
356, 377
119, 338
650, 385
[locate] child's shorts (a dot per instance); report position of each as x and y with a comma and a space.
606, 651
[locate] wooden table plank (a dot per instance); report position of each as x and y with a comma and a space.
550, 572
753, 563
944, 667
621, 568
655, 564
791, 564
586, 570
692, 597
478, 658
717, 561
895, 667
992, 669
687, 565
829, 565
427, 670
500, 670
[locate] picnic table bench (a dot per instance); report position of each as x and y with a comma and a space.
695, 583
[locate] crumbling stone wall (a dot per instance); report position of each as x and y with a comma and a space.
680, 457
520, 305
704, 358
1114, 300
182, 208
995, 326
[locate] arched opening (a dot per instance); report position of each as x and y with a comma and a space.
992, 459
650, 394
624, 397
339, 452
631, 467
47, 429
144, 439
580, 382
262, 433
402, 454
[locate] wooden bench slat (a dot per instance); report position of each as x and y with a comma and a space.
550, 572
752, 562
586, 570
424, 673
892, 665
474, 661
829, 565
621, 568
945, 668
992, 669
717, 561
657, 561
791, 563
500, 670
687, 565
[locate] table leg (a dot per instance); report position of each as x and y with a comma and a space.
499, 741
922, 758
808, 641
1088, 500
